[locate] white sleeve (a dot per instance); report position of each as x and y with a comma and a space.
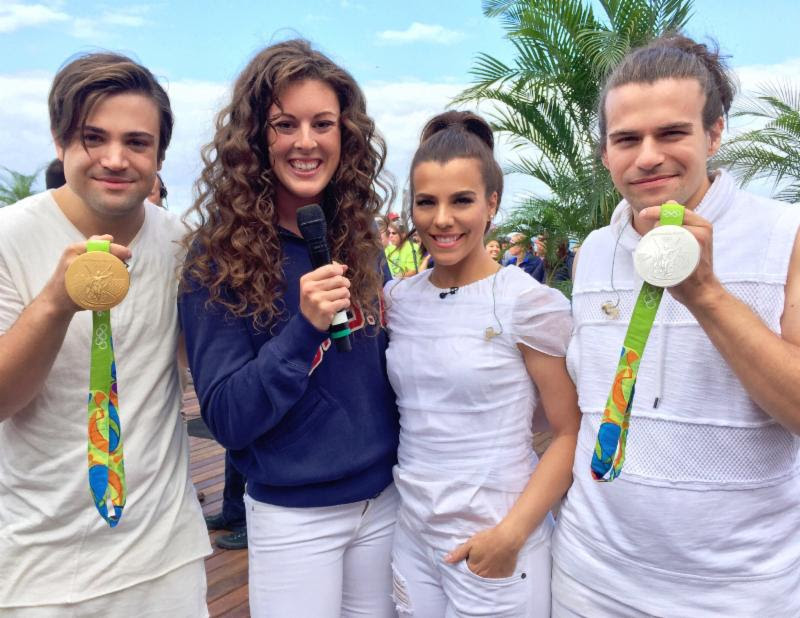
11, 303
387, 292
541, 320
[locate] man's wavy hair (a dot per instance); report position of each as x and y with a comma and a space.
673, 56
87, 79
234, 251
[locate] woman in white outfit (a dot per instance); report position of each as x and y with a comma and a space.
473, 348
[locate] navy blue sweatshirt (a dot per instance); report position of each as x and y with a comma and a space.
307, 426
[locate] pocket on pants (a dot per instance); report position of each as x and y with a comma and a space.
474, 595
519, 574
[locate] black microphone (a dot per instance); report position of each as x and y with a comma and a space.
314, 230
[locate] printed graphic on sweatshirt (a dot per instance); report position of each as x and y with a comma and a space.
357, 322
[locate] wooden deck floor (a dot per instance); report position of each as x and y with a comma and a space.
226, 571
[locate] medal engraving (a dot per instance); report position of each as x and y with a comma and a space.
97, 281
666, 255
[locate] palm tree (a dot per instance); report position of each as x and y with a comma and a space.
545, 101
771, 152
17, 187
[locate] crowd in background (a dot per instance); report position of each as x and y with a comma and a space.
407, 256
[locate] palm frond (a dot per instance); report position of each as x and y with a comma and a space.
18, 186
544, 100
772, 152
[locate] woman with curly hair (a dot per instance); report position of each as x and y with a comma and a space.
313, 429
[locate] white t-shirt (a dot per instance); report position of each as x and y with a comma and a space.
467, 402
54, 546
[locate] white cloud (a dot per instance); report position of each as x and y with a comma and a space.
25, 143
752, 78
86, 28
195, 104
101, 28
14, 16
128, 18
416, 32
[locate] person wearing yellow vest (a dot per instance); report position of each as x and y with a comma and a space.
402, 254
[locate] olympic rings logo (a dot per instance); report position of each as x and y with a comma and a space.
672, 211
651, 299
101, 337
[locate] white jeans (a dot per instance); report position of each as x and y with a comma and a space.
181, 593
324, 562
427, 587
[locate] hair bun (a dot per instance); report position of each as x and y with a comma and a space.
709, 56
463, 121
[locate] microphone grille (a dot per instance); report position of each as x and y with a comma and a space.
311, 221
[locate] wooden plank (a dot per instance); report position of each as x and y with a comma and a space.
233, 604
223, 581
226, 571
242, 611
220, 559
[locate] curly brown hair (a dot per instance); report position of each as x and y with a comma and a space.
235, 251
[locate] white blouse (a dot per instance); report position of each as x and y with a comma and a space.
466, 401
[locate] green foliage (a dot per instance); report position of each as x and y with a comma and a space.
16, 186
772, 152
545, 100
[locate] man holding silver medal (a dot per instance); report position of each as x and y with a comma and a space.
701, 516
125, 535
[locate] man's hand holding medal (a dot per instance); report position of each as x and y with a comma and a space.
682, 263
87, 280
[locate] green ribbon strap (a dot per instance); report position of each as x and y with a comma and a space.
612, 437
106, 465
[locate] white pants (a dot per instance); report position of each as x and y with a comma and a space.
571, 599
427, 587
181, 593
323, 562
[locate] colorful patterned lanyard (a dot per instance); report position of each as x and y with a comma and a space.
97, 280
609, 450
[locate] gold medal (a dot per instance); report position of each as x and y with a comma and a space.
97, 280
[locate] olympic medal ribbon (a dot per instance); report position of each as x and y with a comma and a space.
106, 463
609, 450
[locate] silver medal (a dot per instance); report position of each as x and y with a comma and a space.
666, 255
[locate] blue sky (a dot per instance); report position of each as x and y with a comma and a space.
410, 56
376, 40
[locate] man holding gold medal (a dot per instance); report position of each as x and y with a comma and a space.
88, 341
686, 492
